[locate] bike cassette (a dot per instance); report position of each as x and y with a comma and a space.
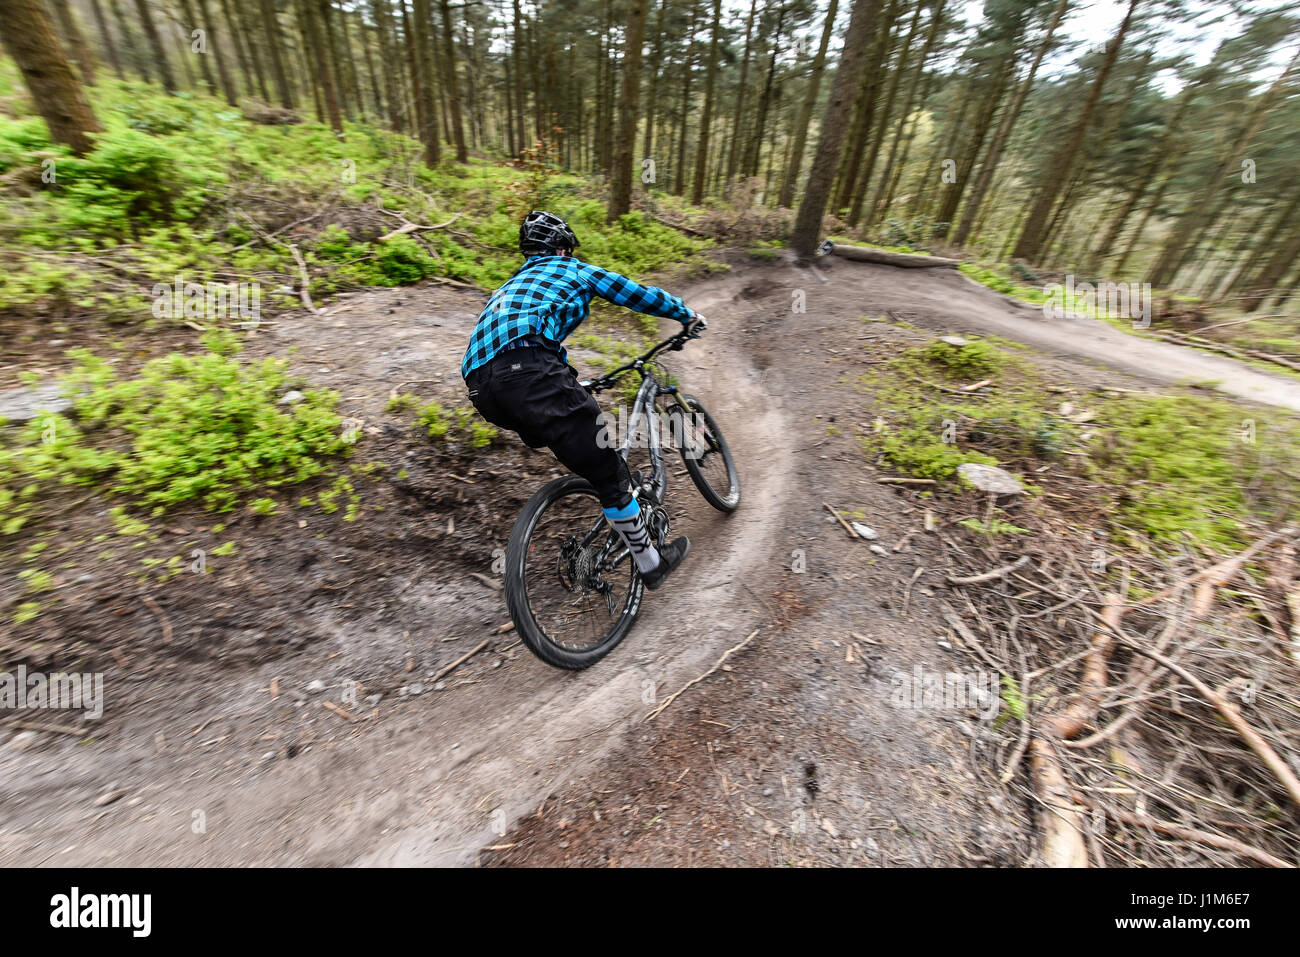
574, 566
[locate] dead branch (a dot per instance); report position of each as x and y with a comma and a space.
1229, 711
1061, 820
1191, 834
866, 254
694, 681
1092, 685
989, 575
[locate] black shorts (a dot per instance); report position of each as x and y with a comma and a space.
532, 391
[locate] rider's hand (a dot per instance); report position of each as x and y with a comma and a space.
696, 326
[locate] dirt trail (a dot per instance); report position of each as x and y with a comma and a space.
433, 777
965, 304
429, 781
572, 720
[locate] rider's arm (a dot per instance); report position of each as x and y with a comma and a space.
624, 292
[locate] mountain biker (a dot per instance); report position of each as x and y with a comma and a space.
519, 378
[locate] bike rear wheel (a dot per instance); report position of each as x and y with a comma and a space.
706, 455
572, 589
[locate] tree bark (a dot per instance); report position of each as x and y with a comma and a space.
30, 39
620, 199
451, 84
706, 116
985, 178
804, 118
1031, 236
808, 220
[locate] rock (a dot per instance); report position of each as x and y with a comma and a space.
865, 531
990, 478
24, 404
316, 687
879, 550
955, 341
22, 740
108, 797
291, 397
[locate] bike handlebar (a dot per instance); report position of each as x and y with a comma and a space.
674, 343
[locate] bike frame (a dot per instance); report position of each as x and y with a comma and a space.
642, 407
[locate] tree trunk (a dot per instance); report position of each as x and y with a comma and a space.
620, 194
889, 176
891, 92
738, 123
804, 117
314, 14
450, 83
764, 101
679, 168
30, 39
419, 45
214, 47
275, 47
383, 28
808, 220
652, 101
76, 41
1202, 208
1031, 236
101, 23
706, 117
1003, 134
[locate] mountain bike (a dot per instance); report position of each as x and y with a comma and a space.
571, 586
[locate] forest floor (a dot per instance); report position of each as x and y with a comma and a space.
218, 747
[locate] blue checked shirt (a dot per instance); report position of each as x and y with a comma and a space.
549, 296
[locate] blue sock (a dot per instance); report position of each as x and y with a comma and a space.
630, 524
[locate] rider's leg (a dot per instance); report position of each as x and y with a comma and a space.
577, 443
532, 392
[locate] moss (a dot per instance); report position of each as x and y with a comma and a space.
1197, 467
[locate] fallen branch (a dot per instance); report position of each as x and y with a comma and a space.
848, 528
330, 705
303, 293
410, 227
905, 260
694, 681
989, 575
1061, 819
1071, 722
1229, 711
682, 226
460, 661
52, 728
162, 619
1222, 572
1191, 834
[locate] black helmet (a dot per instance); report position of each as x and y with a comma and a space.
543, 232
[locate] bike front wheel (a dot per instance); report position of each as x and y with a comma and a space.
571, 586
706, 455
